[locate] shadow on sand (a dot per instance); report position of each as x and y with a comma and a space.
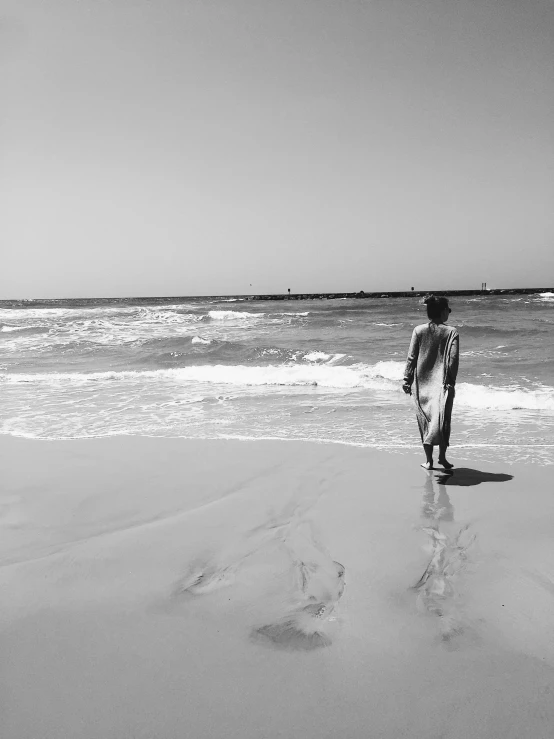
464, 476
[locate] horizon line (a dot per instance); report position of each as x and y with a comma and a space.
298, 295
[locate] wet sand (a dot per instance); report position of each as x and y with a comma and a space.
167, 587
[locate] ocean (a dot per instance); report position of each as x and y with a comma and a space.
318, 370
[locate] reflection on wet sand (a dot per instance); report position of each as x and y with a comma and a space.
436, 588
305, 617
436, 507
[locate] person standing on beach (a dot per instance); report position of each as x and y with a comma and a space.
430, 377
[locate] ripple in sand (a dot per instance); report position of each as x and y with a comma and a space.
204, 578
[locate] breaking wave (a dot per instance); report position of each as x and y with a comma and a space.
314, 374
5, 328
200, 340
233, 315
383, 376
488, 331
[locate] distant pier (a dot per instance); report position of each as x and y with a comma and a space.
395, 294
361, 295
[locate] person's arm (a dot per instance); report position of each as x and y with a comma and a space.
453, 361
411, 363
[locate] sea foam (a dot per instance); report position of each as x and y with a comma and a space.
233, 315
383, 376
200, 340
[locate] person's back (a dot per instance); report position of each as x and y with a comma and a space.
434, 343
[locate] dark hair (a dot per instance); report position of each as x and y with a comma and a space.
435, 306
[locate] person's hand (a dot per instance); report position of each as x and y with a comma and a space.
407, 388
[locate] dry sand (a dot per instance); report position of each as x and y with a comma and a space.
167, 588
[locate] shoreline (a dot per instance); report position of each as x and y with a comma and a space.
462, 453
407, 448
214, 588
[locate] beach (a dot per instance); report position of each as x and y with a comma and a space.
164, 587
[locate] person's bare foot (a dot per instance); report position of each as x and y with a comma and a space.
427, 465
445, 463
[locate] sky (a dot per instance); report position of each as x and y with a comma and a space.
203, 147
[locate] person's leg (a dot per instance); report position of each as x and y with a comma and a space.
442, 458
446, 429
428, 449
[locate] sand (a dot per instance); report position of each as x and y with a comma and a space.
164, 588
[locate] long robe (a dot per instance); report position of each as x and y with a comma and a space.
431, 370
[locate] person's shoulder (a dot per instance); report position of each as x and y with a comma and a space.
453, 331
421, 328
